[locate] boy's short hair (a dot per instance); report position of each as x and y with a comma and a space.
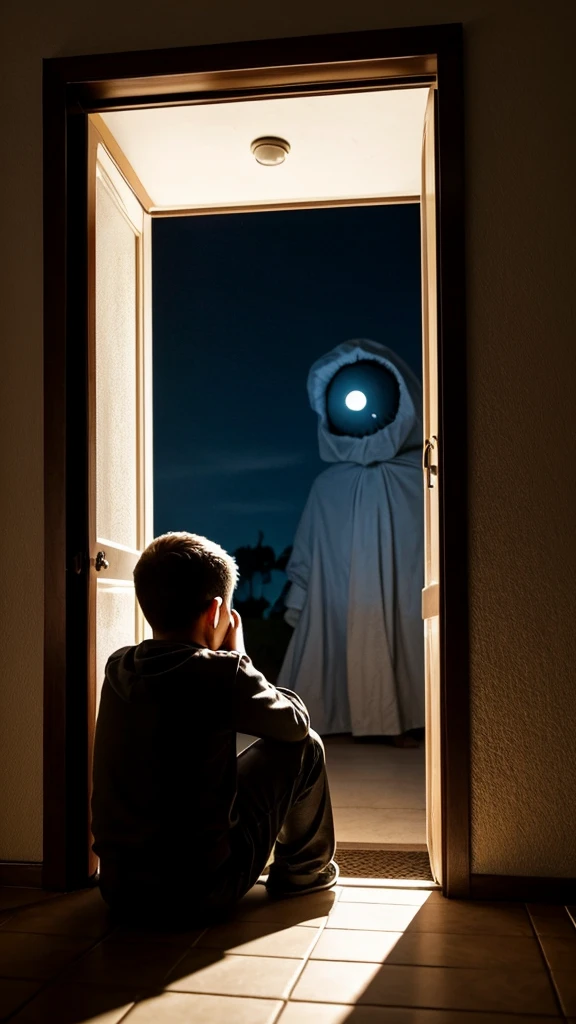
177, 577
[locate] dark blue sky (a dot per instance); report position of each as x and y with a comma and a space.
243, 305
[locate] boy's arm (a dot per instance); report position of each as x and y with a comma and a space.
264, 710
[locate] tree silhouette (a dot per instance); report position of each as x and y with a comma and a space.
283, 559
266, 639
257, 563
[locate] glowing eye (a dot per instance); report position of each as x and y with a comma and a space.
355, 400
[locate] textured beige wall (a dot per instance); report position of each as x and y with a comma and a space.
520, 117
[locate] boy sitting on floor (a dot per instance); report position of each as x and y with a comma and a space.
182, 826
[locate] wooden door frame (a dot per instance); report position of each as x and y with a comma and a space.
73, 89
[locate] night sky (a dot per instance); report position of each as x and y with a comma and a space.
243, 305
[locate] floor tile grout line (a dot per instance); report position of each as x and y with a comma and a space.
224, 953
373, 883
423, 931
32, 906
312, 947
242, 921
53, 935
260, 956
85, 953
289, 1000
280, 1011
538, 1017
377, 903
49, 901
216, 995
55, 977
431, 931
197, 939
128, 1011
379, 1006
304, 959
108, 935
153, 993
158, 990
433, 967
283, 999
555, 991
185, 953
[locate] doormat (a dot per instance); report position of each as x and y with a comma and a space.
384, 864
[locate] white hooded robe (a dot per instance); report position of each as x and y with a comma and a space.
356, 656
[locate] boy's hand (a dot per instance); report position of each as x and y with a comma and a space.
234, 639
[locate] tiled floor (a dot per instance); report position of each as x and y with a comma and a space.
378, 793
359, 954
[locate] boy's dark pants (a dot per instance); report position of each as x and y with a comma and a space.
283, 799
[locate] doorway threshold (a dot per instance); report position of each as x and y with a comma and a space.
424, 884
409, 847
391, 863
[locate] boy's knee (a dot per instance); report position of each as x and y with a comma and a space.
292, 756
314, 747
316, 739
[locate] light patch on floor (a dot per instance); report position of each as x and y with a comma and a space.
371, 955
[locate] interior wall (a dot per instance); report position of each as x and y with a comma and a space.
520, 113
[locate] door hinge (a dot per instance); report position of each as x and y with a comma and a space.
429, 460
81, 562
430, 601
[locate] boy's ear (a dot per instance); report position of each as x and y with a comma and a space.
214, 611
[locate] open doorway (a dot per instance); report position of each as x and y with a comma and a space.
127, 186
243, 306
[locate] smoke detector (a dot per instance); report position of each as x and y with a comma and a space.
269, 150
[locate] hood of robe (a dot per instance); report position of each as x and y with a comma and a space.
402, 434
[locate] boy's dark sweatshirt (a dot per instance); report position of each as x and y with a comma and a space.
164, 776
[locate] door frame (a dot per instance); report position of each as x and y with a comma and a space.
78, 86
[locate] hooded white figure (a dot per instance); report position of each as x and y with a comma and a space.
356, 656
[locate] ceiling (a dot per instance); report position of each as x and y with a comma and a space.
353, 145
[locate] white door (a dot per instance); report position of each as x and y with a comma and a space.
120, 410
431, 592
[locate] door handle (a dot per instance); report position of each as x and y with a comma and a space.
100, 561
430, 467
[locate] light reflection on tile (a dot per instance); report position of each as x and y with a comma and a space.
433, 987
249, 938
209, 971
187, 1008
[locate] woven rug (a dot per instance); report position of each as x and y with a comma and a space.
384, 864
